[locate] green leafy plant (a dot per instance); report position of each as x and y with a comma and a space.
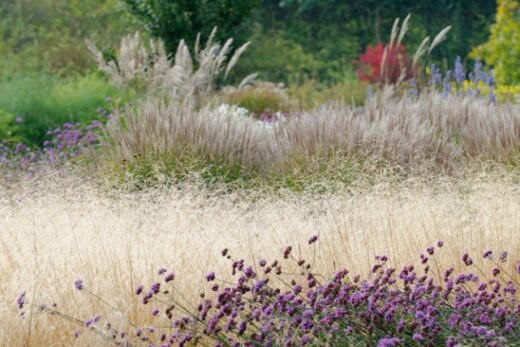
259, 97
45, 102
10, 127
176, 20
502, 51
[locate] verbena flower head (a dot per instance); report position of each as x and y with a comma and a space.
390, 307
78, 284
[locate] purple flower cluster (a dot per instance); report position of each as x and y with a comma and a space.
63, 143
458, 81
266, 306
70, 140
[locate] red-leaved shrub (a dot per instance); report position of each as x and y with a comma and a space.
370, 64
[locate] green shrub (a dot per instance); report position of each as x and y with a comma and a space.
275, 58
9, 127
503, 48
43, 101
259, 97
49, 35
312, 93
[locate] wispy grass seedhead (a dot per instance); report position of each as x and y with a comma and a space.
185, 79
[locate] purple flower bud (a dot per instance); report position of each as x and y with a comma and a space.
313, 239
388, 342
20, 301
139, 290
78, 284
210, 276
161, 271
287, 252
155, 288
169, 277
417, 337
307, 314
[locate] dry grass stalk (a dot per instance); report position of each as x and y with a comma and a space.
54, 233
433, 129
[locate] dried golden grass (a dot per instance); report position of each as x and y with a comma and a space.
53, 233
432, 131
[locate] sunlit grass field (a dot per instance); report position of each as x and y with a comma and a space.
55, 231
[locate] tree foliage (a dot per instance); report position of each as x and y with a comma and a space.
175, 20
49, 35
335, 32
503, 48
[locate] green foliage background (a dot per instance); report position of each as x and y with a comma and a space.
503, 48
47, 74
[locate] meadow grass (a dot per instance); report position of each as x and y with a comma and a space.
54, 233
393, 177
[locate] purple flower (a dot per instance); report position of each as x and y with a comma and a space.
460, 74
466, 259
161, 271
20, 301
139, 290
169, 277
155, 288
307, 314
210, 276
287, 252
487, 254
78, 284
417, 337
313, 239
388, 342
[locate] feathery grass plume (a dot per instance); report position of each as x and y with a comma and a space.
396, 36
429, 131
150, 70
421, 50
248, 80
441, 36
404, 29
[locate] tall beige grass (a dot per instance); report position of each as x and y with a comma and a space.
436, 130
53, 233
178, 115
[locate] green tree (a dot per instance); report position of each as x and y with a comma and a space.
49, 35
335, 32
502, 51
175, 20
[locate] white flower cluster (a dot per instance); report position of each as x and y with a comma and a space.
226, 110
232, 111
